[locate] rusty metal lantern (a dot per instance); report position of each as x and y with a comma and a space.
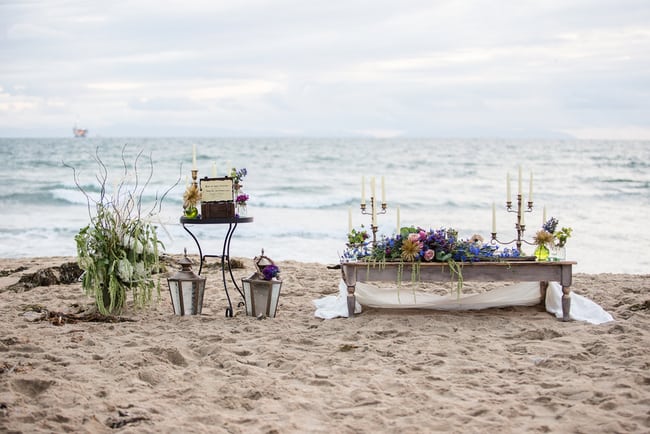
186, 289
261, 295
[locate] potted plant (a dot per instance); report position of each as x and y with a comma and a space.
119, 249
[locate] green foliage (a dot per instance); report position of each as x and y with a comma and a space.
119, 249
562, 236
356, 237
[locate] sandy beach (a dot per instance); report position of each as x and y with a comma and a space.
515, 369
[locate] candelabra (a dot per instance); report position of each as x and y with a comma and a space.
373, 212
519, 225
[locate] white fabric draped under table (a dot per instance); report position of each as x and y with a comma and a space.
354, 290
519, 294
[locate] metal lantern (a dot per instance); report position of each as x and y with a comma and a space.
261, 295
186, 289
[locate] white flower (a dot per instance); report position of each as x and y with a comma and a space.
137, 247
124, 270
140, 272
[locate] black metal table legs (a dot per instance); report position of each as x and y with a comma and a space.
225, 263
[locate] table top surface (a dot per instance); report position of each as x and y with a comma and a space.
215, 221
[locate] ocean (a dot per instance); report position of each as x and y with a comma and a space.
304, 190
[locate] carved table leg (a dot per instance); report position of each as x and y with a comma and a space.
543, 287
351, 301
350, 279
566, 303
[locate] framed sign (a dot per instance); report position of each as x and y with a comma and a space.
216, 190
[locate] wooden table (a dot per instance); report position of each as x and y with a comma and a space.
521, 271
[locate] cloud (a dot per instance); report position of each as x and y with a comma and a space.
340, 67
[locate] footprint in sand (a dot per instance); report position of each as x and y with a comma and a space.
31, 387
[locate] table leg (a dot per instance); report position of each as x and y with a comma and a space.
566, 303
225, 261
543, 287
232, 278
350, 280
197, 245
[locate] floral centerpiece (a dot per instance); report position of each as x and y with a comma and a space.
550, 241
417, 245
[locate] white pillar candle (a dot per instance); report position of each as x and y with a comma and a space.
521, 220
383, 190
193, 157
494, 219
544, 216
509, 197
530, 188
363, 190
349, 219
519, 179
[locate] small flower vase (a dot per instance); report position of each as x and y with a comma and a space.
191, 212
241, 210
558, 253
542, 253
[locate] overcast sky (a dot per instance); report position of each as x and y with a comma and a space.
431, 68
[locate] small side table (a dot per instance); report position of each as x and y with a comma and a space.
225, 251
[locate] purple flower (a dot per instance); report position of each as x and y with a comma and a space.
242, 198
270, 271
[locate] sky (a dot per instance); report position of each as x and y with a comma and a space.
253, 68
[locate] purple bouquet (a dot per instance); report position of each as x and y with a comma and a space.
270, 271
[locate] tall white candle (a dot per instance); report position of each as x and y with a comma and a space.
363, 190
349, 219
372, 188
521, 220
530, 188
544, 216
494, 219
193, 157
509, 197
519, 179
398, 223
383, 190
214, 169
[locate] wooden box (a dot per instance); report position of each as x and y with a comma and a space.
217, 210
217, 198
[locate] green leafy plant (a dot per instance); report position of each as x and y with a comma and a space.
119, 249
562, 236
359, 236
